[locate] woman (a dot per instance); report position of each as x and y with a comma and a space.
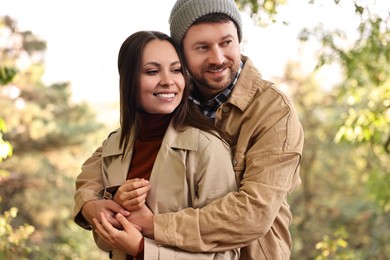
162, 139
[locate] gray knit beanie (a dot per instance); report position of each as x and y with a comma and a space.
185, 12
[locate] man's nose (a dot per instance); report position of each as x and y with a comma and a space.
216, 56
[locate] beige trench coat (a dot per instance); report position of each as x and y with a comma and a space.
192, 169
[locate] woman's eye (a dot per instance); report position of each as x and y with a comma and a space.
152, 72
177, 70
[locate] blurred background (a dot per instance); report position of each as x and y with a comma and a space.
59, 98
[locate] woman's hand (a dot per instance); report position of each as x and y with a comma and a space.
132, 194
143, 219
127, 240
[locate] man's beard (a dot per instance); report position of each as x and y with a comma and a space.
216, 85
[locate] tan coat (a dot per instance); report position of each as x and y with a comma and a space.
268, 140
192, 169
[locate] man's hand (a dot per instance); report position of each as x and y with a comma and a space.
132, 194
144, 219
109, 208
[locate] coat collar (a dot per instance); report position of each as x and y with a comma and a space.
247, 85
187, 139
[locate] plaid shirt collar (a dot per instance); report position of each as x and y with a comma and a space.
210, 107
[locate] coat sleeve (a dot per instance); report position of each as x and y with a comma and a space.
271, 172
89, 184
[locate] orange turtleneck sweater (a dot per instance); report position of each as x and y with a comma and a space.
152, 128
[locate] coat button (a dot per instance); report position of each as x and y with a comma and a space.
234, 162
226, 109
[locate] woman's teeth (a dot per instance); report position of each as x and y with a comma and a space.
170, 95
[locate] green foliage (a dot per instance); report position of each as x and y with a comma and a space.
6, 74
51, 136
345, 169
13, 240
365, 92
5, 146
334, 247
366, 89
378, 188
262, 12
365, 95
343, 184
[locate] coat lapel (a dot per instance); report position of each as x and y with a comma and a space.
168, 178
115, 169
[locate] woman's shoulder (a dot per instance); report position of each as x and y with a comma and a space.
111, 144
113, 136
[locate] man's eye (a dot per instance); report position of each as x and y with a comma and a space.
201, 48
227, 42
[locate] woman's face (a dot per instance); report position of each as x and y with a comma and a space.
161, 80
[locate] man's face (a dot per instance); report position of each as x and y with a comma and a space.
212, 51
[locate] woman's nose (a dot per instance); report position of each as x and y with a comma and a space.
166, 81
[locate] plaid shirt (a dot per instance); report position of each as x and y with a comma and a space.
210, 107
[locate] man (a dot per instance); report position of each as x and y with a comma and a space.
266, 137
